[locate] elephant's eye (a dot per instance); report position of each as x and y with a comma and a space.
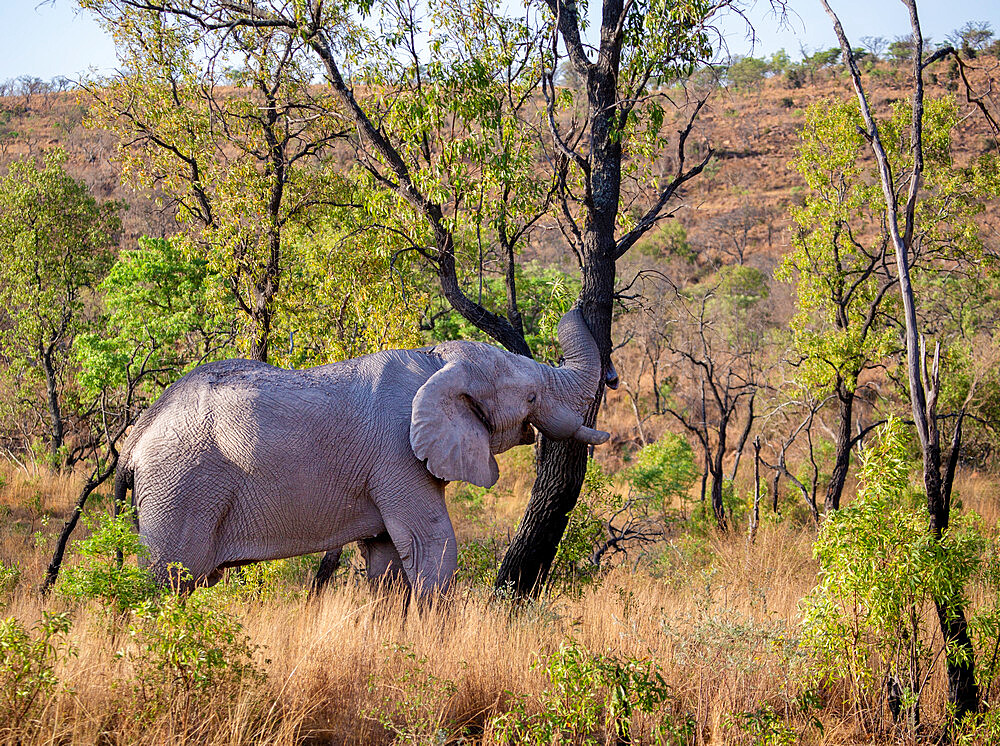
531, 398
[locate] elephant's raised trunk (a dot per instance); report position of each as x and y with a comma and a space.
580, 352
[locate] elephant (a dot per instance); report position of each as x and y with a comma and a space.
239, 461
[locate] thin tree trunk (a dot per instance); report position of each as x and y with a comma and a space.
963, 692
742, 442
755, 515
96, 479
718, 477
56, 427
774, 491
842, 444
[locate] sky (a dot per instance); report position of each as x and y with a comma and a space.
53, 38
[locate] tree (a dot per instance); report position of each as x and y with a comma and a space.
841, 259
842, 274
228, 126
900, 198
717, 336
443, 138
972, 38
56, 243
747, 72
875, 46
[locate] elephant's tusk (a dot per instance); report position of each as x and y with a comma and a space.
591, 436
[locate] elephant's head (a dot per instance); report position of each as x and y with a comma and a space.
485, 400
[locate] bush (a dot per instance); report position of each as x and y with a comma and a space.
665, 470
27, 660
414, 702
104, 575
189, 655
592, 699
870, 620
9, 577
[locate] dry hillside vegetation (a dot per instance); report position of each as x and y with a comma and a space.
656, 628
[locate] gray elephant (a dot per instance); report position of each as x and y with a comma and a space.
239, 461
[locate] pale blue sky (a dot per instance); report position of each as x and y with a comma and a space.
50, 39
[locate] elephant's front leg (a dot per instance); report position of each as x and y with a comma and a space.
422, 534
382, 561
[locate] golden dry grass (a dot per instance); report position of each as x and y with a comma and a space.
722, 630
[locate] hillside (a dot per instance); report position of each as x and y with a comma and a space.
753, 131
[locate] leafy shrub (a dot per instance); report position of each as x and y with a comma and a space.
104, 575
414, 702
284, 578
592, 699
764, 726
9, 577
27, 660
984, 626
477, 562
670, 240
978, 728
664, 470
870, 620
572, 569
188, 655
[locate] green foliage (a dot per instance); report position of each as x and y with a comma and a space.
871, 616
593, 698
764, 726
747, 72
27, 661
984, 625
189, 654
840, 255
234, 164
478, 560
670, 240
735, 289
344, 295
103, 574
665, 470
275, 579
414, 703
156, 317
978, 728
9, 577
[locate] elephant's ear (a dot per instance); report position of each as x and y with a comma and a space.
448, 427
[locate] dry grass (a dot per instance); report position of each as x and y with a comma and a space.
721, 630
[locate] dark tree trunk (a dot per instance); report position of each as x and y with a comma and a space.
56, 427
842, 444
260, 345
560, 468
718, 477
